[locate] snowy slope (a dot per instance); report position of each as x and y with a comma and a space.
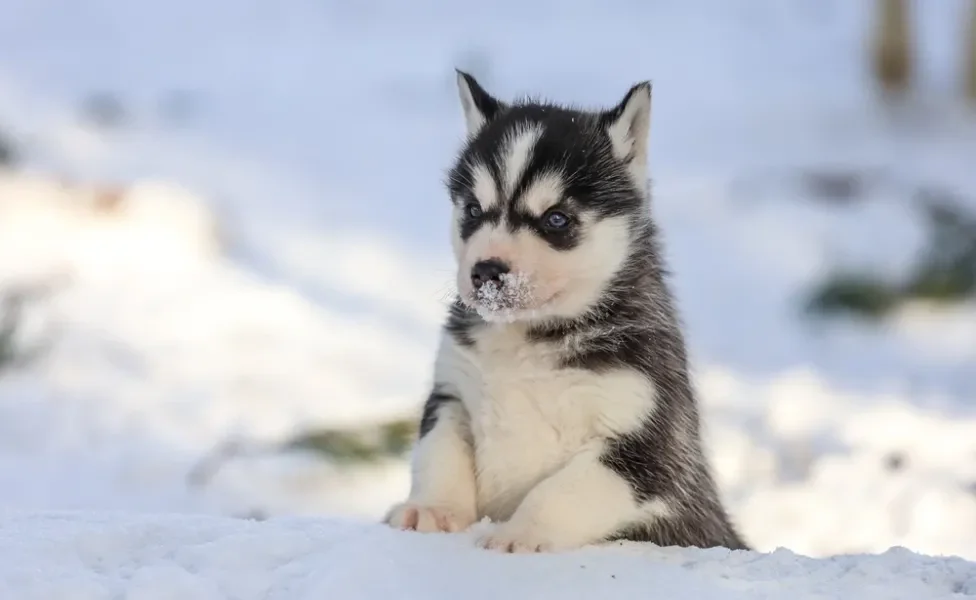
154, 348
105, 556
280, 258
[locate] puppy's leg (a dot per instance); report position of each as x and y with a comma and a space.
583, 502
442, 492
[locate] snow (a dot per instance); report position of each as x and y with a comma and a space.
500, 302
259, 247
95, 556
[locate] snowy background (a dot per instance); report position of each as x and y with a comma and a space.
224, 223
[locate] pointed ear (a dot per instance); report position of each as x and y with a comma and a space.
478, 105
628, 125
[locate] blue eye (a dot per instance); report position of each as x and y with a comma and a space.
556, 220
473, 210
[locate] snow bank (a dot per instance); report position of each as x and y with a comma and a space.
155, 348
108, 556
54, 227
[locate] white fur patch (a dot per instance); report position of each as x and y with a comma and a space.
580, 503
484, 188
582, 274
517, 154
545, 191
629, 134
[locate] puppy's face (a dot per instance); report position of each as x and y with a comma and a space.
545, 200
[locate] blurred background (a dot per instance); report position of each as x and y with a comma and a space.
224, 251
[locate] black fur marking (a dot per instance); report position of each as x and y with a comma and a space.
433, 405
483, 101
461, 322
562, 239
682, 531
469, 224
566, 238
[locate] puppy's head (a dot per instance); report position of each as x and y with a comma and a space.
546, 200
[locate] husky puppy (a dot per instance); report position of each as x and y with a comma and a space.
561, 406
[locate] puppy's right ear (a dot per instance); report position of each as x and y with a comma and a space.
628, 125
478, 105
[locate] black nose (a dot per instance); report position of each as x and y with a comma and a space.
488, 270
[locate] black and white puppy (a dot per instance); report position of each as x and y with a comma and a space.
561, 406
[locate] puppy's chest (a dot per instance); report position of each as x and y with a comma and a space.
529, 414
521, 399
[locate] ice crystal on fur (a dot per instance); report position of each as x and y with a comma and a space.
513, 292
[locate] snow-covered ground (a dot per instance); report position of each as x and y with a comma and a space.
277, 260
103, 556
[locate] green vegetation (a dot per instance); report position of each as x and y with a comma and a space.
944, 271
367, 444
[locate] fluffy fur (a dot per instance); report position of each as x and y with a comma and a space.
561, 407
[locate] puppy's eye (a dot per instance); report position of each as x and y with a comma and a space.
555, 219
472, 210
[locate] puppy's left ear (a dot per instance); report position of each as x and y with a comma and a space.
628, 125
478, 105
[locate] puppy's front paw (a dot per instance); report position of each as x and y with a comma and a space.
514, 539
427, 519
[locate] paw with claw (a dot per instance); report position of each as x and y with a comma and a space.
427, 519
513, 539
